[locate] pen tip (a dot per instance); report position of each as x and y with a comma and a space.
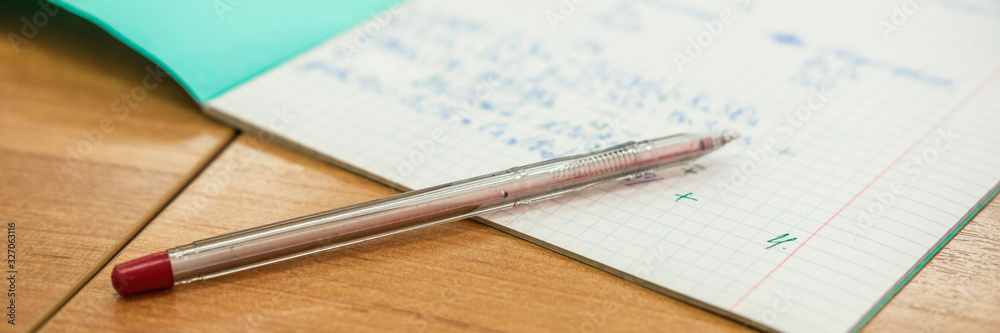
727, 138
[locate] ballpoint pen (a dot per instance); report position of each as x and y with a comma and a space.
471, 197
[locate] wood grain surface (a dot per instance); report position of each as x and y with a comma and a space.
959, 290
77, 178
462, 276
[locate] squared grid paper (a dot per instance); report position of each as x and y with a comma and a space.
377, 111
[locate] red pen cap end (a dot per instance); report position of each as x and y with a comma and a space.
152, 272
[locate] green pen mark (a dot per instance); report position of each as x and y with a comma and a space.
772, 240
686, 196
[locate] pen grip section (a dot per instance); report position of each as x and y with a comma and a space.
611, 161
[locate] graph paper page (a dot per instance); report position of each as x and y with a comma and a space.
868, 133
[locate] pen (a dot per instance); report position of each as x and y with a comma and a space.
471, 197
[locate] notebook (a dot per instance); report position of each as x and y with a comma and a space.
867, 130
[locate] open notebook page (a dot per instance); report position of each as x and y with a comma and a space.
864, 148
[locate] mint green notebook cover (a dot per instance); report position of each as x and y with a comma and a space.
212, 46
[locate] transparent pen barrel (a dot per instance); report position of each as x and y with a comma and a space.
292, 238
326, 230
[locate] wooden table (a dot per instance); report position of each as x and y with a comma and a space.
81, 169
167, 175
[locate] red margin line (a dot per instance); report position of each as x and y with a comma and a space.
940, 122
